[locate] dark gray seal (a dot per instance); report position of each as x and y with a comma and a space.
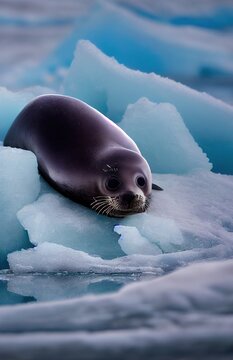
83, 155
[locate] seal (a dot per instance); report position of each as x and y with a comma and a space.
84, 155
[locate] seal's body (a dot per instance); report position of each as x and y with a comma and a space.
83, 154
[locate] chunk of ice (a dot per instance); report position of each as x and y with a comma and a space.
162, 137
132, 242
54, 218
153, 235
19, 185
52, 258
105, 84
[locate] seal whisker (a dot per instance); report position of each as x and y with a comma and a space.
106, 209
99, 200
147, 204
117, 205
110, 209
110, 206
101, 209
99, 205
96, 200
96, 206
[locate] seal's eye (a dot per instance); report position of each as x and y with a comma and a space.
112, 184
141, 181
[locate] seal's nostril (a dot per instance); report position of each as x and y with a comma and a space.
128, 197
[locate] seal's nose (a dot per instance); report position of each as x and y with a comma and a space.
128, 198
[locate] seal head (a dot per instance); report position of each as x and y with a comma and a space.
124, 183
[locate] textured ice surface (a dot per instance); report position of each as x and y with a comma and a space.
105, 84
19, 185
161, 236
166, 317
52, 258
191, 220
53, 218
171, 148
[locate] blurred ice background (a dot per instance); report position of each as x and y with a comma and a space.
189, 41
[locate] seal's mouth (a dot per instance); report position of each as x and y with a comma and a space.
113, 207
122, 212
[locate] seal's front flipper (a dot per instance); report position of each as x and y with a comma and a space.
156, 187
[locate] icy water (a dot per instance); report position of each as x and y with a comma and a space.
20, 289
154, 285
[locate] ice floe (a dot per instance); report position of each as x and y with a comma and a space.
110, 87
